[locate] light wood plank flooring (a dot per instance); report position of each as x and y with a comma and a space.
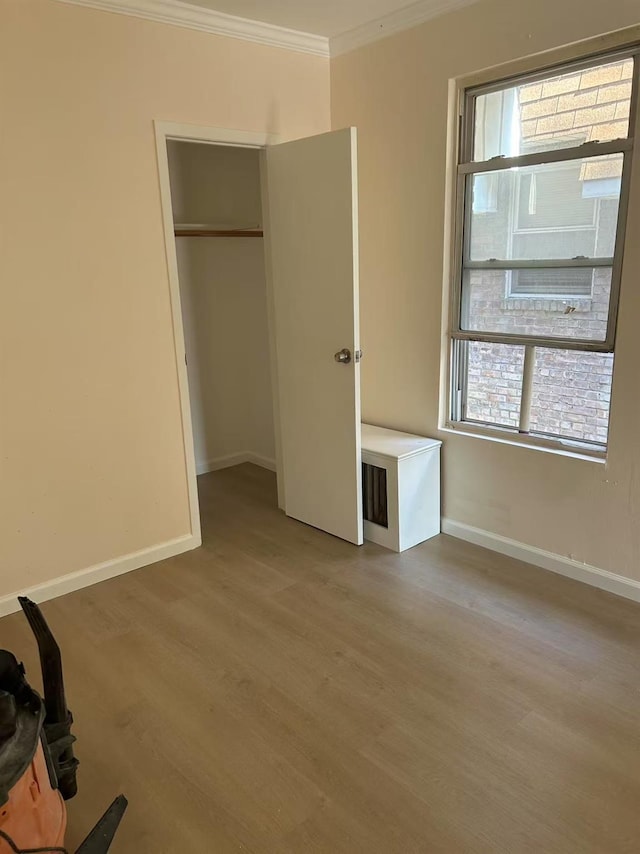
281, 691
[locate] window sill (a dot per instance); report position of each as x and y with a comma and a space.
559, 447
556, 305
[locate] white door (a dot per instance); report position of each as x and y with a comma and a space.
311, 227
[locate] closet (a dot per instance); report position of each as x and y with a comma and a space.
217, 212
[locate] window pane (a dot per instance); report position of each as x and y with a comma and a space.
560, 111
555, 210
571, 394
554, 303
494, 383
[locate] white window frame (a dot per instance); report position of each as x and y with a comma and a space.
456, 390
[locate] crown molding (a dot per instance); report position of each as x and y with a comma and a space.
394, 22
192, 17
209, 21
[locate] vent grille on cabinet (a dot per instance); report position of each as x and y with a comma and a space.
374, 495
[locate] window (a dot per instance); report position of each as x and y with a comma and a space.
542, 188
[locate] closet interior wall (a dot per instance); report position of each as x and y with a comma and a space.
224, 303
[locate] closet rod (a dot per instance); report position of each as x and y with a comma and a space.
216, 232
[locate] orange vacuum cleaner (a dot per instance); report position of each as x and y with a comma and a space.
37, 764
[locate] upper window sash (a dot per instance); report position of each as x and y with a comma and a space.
471, 96
467, 167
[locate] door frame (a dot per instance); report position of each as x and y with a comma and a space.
165, 131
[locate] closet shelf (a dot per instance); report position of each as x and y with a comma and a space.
196, 229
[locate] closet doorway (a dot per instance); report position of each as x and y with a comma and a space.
215, 197
262, 253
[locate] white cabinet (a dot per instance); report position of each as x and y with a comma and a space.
401, 487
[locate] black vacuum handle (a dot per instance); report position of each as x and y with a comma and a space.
100, 839
50, 662
58, 720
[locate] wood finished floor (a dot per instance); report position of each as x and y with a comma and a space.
279, 690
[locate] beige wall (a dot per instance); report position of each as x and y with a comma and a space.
396, 92
92, 458
223, 294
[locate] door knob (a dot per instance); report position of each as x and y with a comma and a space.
343, 356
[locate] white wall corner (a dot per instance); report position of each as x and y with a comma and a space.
209, 21
394, 22
99, 572
593, 575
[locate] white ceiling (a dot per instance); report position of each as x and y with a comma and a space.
321, 17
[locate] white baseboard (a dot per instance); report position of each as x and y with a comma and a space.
99, 572
204, 466
593, 575
263, 462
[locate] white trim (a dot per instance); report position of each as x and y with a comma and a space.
264, 462
98, 572
209, 21
592, 575
217, 463
162, 134
394, 22
180, 14
215, 136
271, 323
